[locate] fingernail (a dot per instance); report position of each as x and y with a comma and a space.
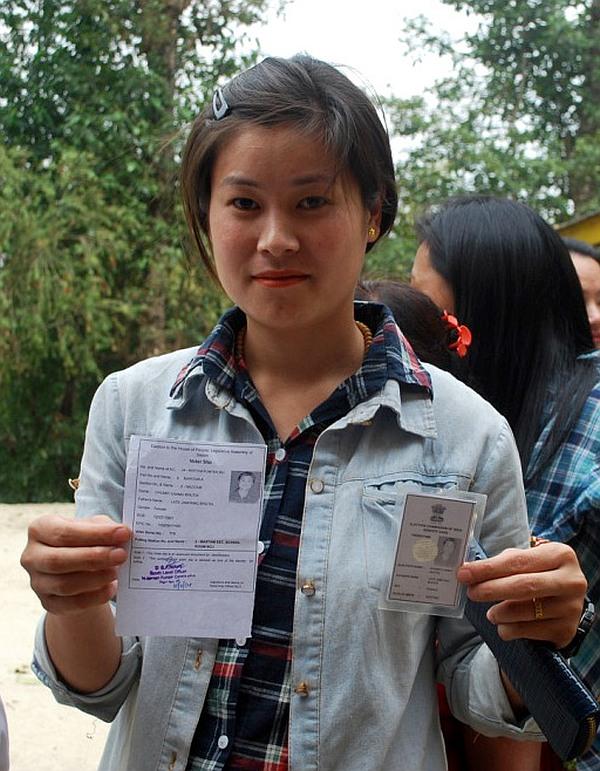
464, 573
121, 533
490, 616
116, 556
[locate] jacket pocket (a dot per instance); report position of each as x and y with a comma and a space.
381, 517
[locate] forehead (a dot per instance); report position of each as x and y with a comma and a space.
279, 151
588, 269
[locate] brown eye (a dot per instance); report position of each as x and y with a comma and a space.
245, 204
312, 202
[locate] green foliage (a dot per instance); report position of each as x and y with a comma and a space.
519, 115
93, 273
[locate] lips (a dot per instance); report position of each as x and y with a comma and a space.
279, 279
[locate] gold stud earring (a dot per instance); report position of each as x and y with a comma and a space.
372, 232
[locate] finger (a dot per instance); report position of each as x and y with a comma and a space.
72, 584
56, 530
510, 612
565, 582
62, 606
517, 587
516, 561
546, 631
43, 559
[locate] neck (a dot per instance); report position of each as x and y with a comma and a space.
294, 370
306, 354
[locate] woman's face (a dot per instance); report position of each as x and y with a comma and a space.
288, 234
245, 483
588, 270
426, 278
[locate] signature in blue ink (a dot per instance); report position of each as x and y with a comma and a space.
170, 564
166, 572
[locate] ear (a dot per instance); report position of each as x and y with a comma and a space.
374, 221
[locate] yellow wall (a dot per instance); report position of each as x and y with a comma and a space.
586, 229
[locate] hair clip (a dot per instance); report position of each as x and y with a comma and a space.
463, 334
219, 105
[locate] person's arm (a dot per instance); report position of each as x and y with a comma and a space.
499, 753
73, 566
539, 594
553, 570
465, 666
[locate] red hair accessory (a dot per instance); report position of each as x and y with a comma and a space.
462, 333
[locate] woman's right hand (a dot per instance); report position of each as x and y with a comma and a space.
72, 563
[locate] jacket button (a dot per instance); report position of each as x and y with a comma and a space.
308, 588
302, 688
317, 485
223, 742
173, 761
198, 659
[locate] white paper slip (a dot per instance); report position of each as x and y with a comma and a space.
195, 510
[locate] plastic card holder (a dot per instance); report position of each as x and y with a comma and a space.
436, 531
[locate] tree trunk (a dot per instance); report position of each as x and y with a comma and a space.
584, 182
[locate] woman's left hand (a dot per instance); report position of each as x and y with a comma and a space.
539, 593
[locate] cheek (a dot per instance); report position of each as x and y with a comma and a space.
224, 232
446, 295
592, 307
229, 247
436, 288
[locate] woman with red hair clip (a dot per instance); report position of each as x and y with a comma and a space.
506, 273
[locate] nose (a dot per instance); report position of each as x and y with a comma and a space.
277, 236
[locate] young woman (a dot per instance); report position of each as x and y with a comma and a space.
287, 180
507, 275
586, 260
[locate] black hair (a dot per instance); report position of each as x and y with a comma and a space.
308, 95
581, 247
516, 288
418, 317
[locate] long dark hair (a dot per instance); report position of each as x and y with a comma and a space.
516, 288
305, 94
574, 245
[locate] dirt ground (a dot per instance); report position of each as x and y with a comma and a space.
43, 735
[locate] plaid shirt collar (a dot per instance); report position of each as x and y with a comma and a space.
390, 356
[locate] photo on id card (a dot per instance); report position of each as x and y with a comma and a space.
433, 541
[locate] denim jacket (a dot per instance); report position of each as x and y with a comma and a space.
370, 702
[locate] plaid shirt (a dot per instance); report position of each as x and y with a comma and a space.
244, 723
564, 505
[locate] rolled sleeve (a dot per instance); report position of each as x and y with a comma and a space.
102, 475
104, 703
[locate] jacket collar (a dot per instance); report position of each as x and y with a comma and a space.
406, 385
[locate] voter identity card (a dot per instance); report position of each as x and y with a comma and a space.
195, 509
433, 541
